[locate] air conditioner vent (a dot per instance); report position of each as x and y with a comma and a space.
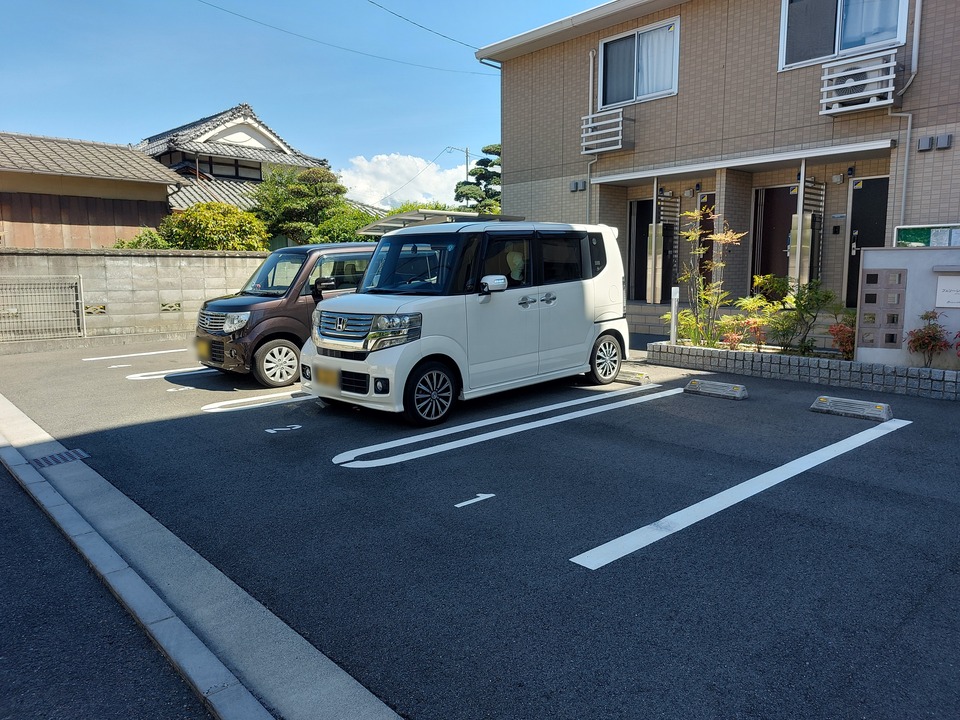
861, 83
851, 84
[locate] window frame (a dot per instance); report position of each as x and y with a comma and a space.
597, 253
214, 165
675, 84
498, 240
574, 241
354, 256
838, 52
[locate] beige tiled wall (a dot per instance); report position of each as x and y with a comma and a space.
732, 103
734, 190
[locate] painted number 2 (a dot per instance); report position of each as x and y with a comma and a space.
273, 431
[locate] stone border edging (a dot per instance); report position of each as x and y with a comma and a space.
921, 382
242, 660
221, 693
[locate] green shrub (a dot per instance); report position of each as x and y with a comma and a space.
341, 225
799, 306
930, 338
758, 311
214, 226
146, 239
844, 332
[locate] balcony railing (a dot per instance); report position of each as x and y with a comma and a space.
861, 83
601, 132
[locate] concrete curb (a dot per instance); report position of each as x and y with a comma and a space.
227, 644
222, 693
634, 373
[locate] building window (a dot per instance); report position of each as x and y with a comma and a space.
815, 30
249, 170
229, 167
641, 65
224, 168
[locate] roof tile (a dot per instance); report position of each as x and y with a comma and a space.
184, 138
238, 193
80, 158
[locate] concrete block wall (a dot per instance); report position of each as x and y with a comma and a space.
647, 319
133, 292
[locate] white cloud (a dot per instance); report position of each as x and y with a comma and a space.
389, 180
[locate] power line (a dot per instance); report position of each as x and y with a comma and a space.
422, 27
339, 47
423, 170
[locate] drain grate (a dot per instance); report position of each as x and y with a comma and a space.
58, 459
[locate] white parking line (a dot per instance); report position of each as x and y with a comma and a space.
424, 437
633, 541
352, 454
115, 357
259, 401
473, 440
161, 374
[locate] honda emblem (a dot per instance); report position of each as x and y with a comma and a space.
341, 324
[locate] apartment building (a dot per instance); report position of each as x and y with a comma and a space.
816, 126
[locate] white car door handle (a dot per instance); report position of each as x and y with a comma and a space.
526, 301
549, 299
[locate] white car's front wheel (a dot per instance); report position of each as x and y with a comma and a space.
430, 393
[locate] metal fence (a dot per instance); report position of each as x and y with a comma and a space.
40, 308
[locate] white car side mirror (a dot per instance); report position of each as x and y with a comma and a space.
492, 283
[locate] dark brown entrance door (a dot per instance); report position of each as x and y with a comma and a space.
773, 213
868, 226
641, 217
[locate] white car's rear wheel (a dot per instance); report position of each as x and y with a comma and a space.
605, 360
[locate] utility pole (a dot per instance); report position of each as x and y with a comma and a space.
466, 166
466, 161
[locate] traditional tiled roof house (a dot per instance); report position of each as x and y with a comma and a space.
226, 155
59, 193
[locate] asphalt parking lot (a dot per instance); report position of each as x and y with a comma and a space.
563, 551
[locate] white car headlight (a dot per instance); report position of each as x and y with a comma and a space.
390, 330
234, 321
315, 327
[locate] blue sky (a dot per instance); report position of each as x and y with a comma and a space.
118, 71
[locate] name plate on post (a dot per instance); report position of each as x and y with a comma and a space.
948, 291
